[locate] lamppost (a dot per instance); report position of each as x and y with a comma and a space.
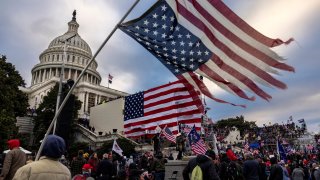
61, 78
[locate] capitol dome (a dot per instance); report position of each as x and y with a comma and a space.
78, 55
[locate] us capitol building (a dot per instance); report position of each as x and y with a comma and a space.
78, 54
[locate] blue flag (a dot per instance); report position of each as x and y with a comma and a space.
281, 151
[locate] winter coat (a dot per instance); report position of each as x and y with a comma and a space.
297, 174
48, 166
14, 159
276, 172
206, 165
251, 170
45, 168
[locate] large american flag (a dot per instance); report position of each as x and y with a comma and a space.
197, 144
207, 38
166, 105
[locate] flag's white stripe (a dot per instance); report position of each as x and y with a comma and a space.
166, 88
191, 81
164, 121
233, 28
167, 96
221, 85
235, 48
226, 59
167, 104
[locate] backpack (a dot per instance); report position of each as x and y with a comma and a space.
232, 171
196, 173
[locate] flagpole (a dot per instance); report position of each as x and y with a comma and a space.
80, 76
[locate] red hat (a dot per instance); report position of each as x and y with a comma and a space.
87, 166
13, 143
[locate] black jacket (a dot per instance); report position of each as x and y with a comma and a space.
206, 165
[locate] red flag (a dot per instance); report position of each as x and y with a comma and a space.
207, 38
166, 105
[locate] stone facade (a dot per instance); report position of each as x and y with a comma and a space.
75, 58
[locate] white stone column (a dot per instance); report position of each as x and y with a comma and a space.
39, 75
44, 75
69, 74
32, 78
50, 73
87, 102
76, 75
87, 79
57, 75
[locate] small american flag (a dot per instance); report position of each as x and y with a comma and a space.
168, 134
110, 78
246, 146
197, 144
186, 129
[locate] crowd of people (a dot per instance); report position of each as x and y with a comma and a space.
226, 164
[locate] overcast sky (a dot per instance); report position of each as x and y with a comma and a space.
27, 28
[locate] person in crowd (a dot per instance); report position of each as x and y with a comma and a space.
224, 162
206, 163
94, 161
250, 168
105, 168
170, 157
14, 159
315, 172
284, 170
276, 172
158, 167
30, 159
262, 169
64, 161
297, 173
48, 166
77, 164
144, 161
86, 173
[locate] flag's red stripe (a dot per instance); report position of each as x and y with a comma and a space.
232, 55
168, 108
248, 82
162, 93
174, 98
174, 115
203, 86
233, 87
241, 24
161, 87
235, 39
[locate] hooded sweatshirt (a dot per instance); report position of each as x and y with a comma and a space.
14, 159
206, 165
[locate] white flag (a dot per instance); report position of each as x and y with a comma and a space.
215, 148
116, 148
